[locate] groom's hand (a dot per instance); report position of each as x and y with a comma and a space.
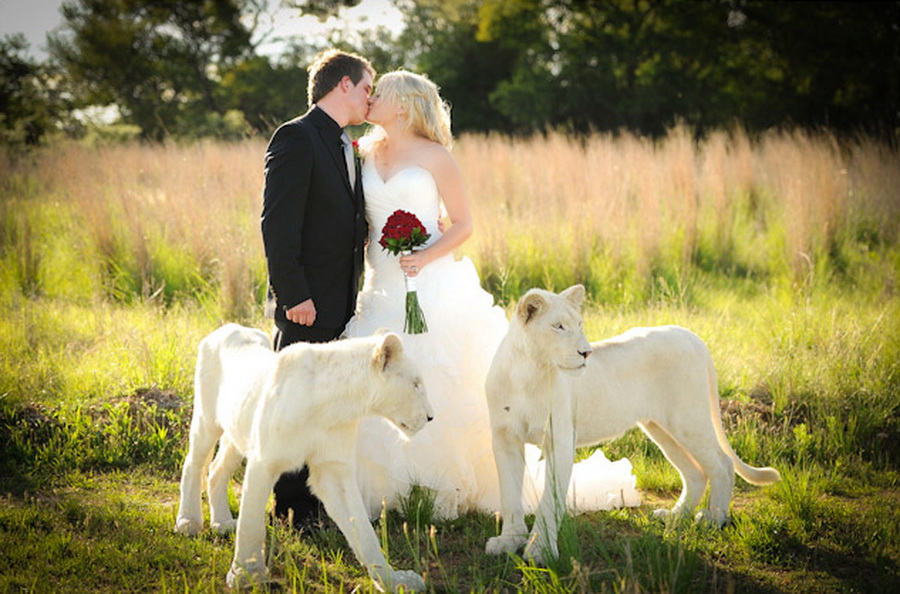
303, 313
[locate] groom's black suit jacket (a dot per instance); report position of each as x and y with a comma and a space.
313, 223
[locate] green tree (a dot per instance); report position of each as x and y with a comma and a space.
157, 60
320, 8
28, 105
840, 62
440, 39
189, 68
266, 93
636, 64
645, 64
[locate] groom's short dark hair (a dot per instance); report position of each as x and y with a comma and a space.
329, 67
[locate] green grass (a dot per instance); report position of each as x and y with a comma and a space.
110, 277
91, 482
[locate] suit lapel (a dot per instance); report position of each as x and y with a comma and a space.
335, 149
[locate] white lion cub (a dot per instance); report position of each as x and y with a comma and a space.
281, 410
545, 387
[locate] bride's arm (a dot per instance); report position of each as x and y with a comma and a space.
450, 186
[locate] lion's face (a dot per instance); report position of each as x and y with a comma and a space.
399, 392
552, 328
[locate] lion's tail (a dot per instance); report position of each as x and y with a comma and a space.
751, 474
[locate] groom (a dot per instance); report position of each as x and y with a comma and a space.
314, 226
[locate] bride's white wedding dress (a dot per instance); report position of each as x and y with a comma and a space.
452, 455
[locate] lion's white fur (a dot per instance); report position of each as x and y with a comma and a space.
547, 388
281, 410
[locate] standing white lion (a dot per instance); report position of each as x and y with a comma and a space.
547, 388
281, 410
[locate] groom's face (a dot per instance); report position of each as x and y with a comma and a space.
378, 108
358, 98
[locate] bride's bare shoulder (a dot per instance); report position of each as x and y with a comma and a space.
437, 158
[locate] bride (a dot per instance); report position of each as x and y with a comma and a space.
408, 165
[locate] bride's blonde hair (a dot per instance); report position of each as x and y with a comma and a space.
426, 113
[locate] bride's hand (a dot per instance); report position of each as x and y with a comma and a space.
413, 264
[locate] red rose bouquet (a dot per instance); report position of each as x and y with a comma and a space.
402, 234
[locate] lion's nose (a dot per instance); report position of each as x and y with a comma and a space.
430, 418
586, 353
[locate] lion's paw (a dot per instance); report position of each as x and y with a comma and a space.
245, 576
538, 551
675, 515
505, 543
715, 517
226, 527
188, 526
404, 580
662, 514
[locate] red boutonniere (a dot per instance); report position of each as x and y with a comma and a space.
355, 145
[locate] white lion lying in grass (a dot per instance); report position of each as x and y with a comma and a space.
282, 410
545, 388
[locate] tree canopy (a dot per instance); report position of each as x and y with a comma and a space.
189, 69
29, 107
156, 60
642, 65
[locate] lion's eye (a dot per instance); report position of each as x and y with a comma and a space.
558, 327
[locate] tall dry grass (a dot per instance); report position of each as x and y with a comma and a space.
155, 222
631, 218
625, 214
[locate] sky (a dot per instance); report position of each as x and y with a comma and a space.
36, 18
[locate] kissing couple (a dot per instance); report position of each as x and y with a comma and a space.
326, 200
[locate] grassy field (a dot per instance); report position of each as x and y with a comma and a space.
781, 251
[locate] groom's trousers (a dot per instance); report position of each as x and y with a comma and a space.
291, 489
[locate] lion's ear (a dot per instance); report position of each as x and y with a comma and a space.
530, 306
575, 295
387, 351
